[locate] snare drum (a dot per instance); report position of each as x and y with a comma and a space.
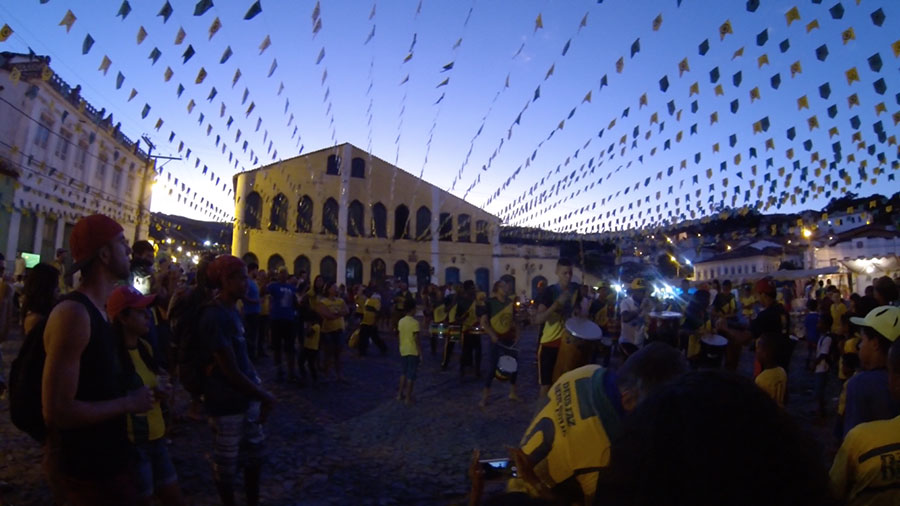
438, 330
712, 351
454, 333
507, 366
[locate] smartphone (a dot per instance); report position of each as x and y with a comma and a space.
498, 469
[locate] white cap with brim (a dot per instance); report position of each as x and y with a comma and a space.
884, 319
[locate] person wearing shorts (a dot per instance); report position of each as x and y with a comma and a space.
408, 329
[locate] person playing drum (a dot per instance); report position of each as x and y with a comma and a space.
557, 304
635, 309
499, 325
448, 311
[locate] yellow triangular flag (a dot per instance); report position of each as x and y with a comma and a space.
587, 98
738, 53
168, 74
848, 35
880, 108
695, 89
719, 90
757, 127
683, 67
852, 100
896, 48
68, 20
812, 25
643, 100
620, 64
179, 37
802, 103
141, 35
792, 15
538, 23
654, 118
104, 65
725, 29
714, 118
754, 94
813, 122
5, 32
852, 75
762, 60
657, 22
46, 73
796, 68
770, 144
265, 44
214, 27
832, 132
200, 75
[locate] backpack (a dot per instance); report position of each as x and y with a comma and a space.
194, 364
25, 376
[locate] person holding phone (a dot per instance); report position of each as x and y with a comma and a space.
130, 316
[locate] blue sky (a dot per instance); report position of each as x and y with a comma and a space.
409, 121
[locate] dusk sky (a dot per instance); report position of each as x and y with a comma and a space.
431, 81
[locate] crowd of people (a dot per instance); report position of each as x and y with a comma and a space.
654, 413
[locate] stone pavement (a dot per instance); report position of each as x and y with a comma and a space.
353, 443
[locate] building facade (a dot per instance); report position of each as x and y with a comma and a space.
864, 253
61, 159
351, 217
745, 262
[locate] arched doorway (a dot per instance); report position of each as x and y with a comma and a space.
538, 283
301, 263
250, 258
401, 271
423, 274
275, 263
483, 279
451, 275
354, 272
328, 269
379, 271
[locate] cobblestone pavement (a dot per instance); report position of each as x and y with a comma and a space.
353, 443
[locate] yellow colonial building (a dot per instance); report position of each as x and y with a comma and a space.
352, 217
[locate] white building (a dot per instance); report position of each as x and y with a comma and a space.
61, 159
745, 262
862, 254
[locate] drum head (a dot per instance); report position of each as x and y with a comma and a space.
714, 340
582, 328
507, 364
666, 315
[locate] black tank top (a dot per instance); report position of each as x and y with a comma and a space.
103, 449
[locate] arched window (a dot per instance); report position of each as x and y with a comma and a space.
330, 217
354, 272
379, 220
423, 274
445, 228
250, 258
278, 216
305, 215
464, 221
301, 263
451, 275
483, 279
275, 263
401, 271
333, 166
481, 232
379, 270
328, 269
252, 210
401, 222
423, 224
355, 222
358, 168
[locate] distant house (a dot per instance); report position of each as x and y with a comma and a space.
864, 253
747, 261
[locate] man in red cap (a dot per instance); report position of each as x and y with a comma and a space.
235, 400
773, 319
84, 402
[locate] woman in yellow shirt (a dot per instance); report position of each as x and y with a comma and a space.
332, 309
127, 309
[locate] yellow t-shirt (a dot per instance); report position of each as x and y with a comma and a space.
837, 310
311, 339
408, 328
866, 469
335, 305
147, 426
373, 306
263, 303
694, 348
569, 436
773, 382
747, 304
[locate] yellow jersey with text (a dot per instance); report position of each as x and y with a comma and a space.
569, 438
866, 469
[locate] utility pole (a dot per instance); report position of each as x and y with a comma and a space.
151, 165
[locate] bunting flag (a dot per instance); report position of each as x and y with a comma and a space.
188, 53
5, 32
265, 44
68, 20
226, 55
124, 10
201, 75
165, 12
87, 44
202, 6
104, 64
254, 9
141, 35
214, 27
179, 37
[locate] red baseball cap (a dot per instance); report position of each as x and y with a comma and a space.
223, 267
766, 286
89, 235
125, 297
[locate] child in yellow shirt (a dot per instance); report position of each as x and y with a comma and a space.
773, 379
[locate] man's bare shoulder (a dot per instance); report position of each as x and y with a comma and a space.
68, 319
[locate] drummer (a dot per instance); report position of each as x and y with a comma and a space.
635, 309
468, 309
449, 312
557, 304
497, 322
696, 324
